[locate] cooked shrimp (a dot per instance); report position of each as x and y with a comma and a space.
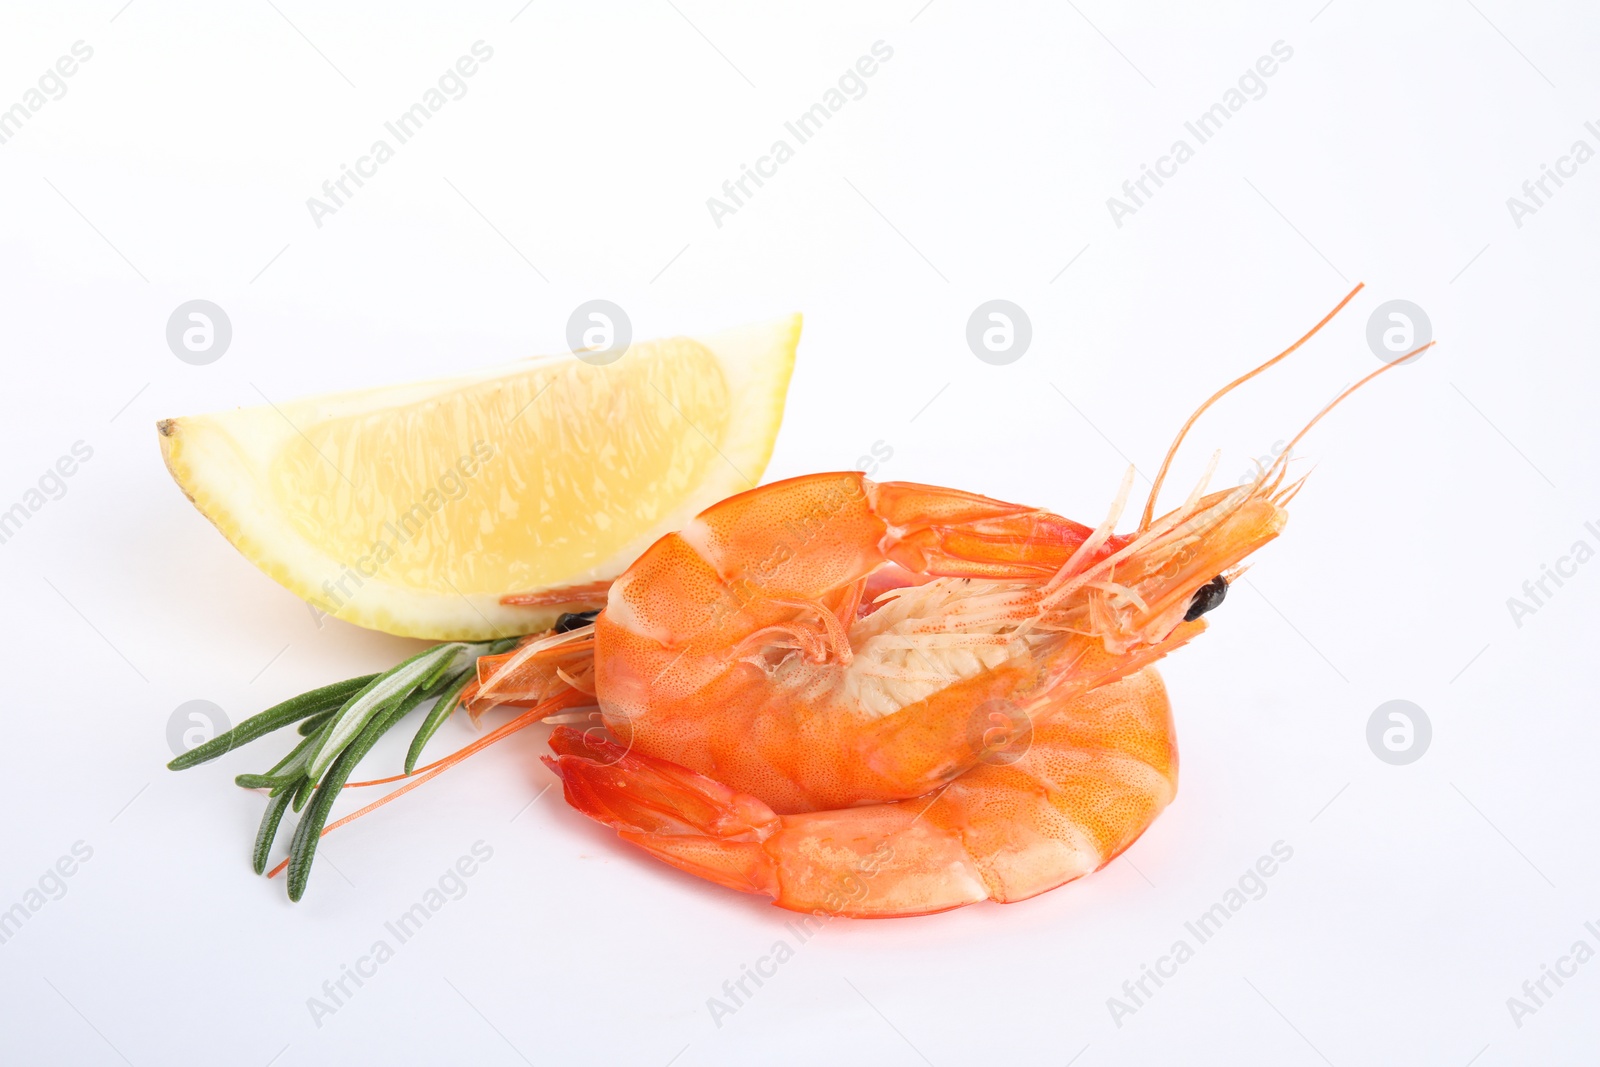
987, 734
893, 699
741, 647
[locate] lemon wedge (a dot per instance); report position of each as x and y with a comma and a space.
414, 509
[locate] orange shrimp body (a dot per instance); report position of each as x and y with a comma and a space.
744, 646
880, 699
826, 678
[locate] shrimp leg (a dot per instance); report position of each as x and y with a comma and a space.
1034, 816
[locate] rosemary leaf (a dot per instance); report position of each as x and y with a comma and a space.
317, 721
291, 710
303, 847
464, 654
303, 793
436, 716
383, 694
295, 758
451, 700
264, 781
285, 774
269, 831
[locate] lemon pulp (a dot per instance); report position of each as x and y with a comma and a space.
474, 492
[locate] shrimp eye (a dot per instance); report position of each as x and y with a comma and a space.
1206, 597
573, 619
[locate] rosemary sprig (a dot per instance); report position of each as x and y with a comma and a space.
339, 724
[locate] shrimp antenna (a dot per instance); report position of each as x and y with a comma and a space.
1155, 487
1335, 402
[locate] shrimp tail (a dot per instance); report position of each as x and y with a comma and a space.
688, 820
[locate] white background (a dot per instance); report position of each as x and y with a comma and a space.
978, 164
